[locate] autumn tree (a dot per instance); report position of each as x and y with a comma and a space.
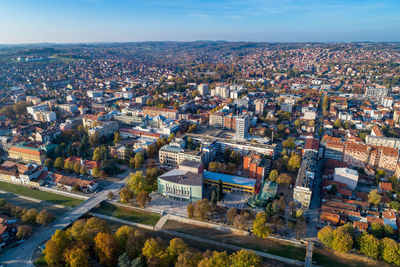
289, 143
342, 240
125, 194
106, 249
202, 209
96, 172
83, 170
260, 227
189, 258
92, 227
77, 167
326, 235
135, 182
139, 160
190, 210
24, 231
135, 244
220, 259
76, 255
142, 198
294, 163
97, 154
284, 179
49, 163
54, 249
44, 217
176, 247
240, 221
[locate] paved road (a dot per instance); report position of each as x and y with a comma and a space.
308, 262
21, 255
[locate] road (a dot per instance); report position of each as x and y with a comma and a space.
21, 255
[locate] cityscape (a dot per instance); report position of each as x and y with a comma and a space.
202, 153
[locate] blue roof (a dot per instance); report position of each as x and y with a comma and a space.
238, 180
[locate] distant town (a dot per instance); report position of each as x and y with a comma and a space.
200, 154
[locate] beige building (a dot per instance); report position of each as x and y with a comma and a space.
355, 154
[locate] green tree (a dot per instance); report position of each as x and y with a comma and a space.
135, 182
124, 261
297, 123
59, 163
395, 205
273, 175
117, 138
390, 251
369, 245
139, 160
289, 143
326, 235
245, 258
30, 216
337, 124
260, 227
374, 197
377, 230
122, 235
97, 155
342, 241
388, 230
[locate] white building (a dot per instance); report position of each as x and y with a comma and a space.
203, 89
242, 127
346, 176
31, 110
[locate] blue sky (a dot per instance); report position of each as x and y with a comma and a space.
34, 21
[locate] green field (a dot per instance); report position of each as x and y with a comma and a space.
40, 262
41, 195
127, 214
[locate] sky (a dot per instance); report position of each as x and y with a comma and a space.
80, 21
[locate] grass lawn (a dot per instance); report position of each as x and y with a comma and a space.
127, 214
271, 246
325, 257
40, 262
41, 195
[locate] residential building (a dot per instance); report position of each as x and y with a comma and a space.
242, 127
154, 111
216, 120
355, 154
382, 141
376, 91
257, 165
45, 116
27, 152
173, 156
107, 129
259, 106
203, 89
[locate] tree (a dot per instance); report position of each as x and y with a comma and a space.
110, 195
171, 137
289, 143
68, 166
96, 172
284, 179
337, 124
294, 163
77, 167
325, 104
124, 260
202, 209
220, 259
106, 249
374, 197
388, 230
44, 217
176, 247
152, 248
342, 241
24, 231
49, 163
377, 230
76, 229
125, 195
76, 255
245, 258
53, 252
395, 205
83, 170
326, 235
30, 216
135, 182
59, 163
122, 235
92, 227
135, 244
369, 245
97, 155
390, 251
139, 160
231, 214
240, 221
189, 258
260, 227
190, 210
214, 196
220, 192
297, 123
142, 198
273, 175
117, 138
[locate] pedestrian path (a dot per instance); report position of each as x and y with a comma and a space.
161, 222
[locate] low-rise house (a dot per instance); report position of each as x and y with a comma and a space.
70, 182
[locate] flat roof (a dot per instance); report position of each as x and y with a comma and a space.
231, 179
